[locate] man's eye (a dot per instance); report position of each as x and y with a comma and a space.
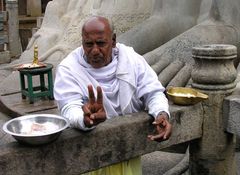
101, 43
88, 44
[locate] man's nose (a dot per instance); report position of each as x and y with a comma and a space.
95, 49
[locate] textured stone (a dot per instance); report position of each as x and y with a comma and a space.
13, 29
231, 108
214, 66
5, 57
119, 138
214, 73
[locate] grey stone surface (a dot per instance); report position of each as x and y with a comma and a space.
158, 162
231, 112
116, 138
13, 28
214, 153
164, 163
214, 67
5, 57
4, 138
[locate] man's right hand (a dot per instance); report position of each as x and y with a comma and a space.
94, 112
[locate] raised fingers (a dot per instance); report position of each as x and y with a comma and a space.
91, 95
99, 95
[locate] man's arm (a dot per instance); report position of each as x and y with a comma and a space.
152, 93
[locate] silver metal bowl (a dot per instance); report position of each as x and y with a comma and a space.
36, 129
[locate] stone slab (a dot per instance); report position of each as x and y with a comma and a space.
120, 138
231, 108
3, 16
18, 106
5, 57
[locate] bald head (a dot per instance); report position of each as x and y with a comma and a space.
97, 23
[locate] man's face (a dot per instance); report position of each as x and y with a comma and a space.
98, 41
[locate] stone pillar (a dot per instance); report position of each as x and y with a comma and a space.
215, 75
13, 28
4, 53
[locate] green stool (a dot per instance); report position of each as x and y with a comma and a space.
39, 91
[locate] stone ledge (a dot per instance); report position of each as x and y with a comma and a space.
115, 140
231, 108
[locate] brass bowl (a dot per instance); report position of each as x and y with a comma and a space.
185, 96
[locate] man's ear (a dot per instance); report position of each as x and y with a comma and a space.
114, 40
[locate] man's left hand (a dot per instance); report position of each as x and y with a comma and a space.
163, 127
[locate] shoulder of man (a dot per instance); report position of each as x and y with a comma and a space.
71, 58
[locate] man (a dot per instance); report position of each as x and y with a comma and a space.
122, 80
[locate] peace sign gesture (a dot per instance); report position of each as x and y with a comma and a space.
93, 111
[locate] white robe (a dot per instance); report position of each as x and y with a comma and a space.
129, 85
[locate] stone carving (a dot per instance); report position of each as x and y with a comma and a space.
214, 67
60, 32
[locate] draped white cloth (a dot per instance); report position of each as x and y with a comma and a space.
129, 85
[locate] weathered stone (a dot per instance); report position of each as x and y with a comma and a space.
231, 108
214, 152
5, 57
119, 138
214, 68
3, 38
13, 27
160, 65
3, 16
169, 72
182, 78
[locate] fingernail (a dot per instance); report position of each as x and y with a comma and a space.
91, 122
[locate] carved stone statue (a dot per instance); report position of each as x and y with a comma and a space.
60, 32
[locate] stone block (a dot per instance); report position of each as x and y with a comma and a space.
5, 57
1, 25
3, 16
231, 108
3, 39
